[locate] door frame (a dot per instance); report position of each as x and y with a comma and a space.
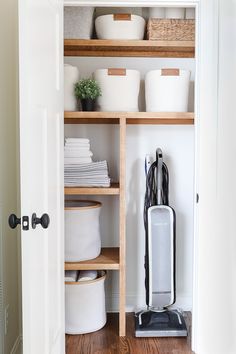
206, 94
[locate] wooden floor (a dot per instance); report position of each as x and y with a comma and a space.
107, 341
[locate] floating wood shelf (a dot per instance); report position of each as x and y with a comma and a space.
108, 260
131, 117
129, 48
113, 190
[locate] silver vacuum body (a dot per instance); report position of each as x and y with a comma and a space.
157, 320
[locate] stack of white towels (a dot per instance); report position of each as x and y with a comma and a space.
83, 275
79, 169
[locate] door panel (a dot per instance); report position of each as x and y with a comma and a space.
214, 317
41, 144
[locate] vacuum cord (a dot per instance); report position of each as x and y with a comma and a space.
151, 189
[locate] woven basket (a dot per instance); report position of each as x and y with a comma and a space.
171, 29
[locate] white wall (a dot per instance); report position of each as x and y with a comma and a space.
8, 175
177, 143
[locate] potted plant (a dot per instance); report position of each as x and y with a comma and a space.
87, 90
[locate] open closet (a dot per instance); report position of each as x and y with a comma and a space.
123, 139
196, 142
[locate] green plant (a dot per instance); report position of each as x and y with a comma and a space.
87, 88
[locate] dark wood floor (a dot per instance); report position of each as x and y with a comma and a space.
107, 341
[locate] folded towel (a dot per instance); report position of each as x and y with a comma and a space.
93, 166
77, 140
77, 146
76, 160
85, 275
93, 174
85, 183
71, 275
78, 153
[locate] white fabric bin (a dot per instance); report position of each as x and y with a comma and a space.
120, 89
82, 230
175, 12
71, 76
85, 310
78, 22
100, 11
120, 26
167, 90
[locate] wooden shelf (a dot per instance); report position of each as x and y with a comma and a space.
113, 190
131, 117
129, 48
108, 260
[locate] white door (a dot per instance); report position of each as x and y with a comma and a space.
214, 317
41, 165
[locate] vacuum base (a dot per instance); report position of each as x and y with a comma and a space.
160, 324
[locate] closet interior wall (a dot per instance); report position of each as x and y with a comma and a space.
177, 143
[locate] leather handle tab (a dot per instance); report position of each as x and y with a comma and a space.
169, 72
121, 17
116, 71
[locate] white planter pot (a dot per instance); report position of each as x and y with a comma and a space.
71, 76
120, 89
82, 230
120, 26
175, 12
167, 90
190, 13
157, 12
78, 22
85, 310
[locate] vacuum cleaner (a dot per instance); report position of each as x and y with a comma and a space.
157, 320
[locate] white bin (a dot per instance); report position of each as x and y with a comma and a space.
167, 90
100, 11
78, 22
85, 310
120, 26
82, 230
175, 12
120, 89
71, 76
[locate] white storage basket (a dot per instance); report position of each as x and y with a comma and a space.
100, 11
71, 76
78, 22
85, 310
120, 89
167, 90
82, 230
120, 26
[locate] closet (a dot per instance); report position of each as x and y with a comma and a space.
123, 139
204, 221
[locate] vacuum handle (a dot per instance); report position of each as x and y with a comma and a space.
159, 176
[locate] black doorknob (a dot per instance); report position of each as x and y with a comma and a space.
13, 221
44, 221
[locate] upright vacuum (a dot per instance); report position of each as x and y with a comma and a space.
157, 320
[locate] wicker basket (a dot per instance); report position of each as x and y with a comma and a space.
171, 29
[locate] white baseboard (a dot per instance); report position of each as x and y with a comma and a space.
17, 347
135, 302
